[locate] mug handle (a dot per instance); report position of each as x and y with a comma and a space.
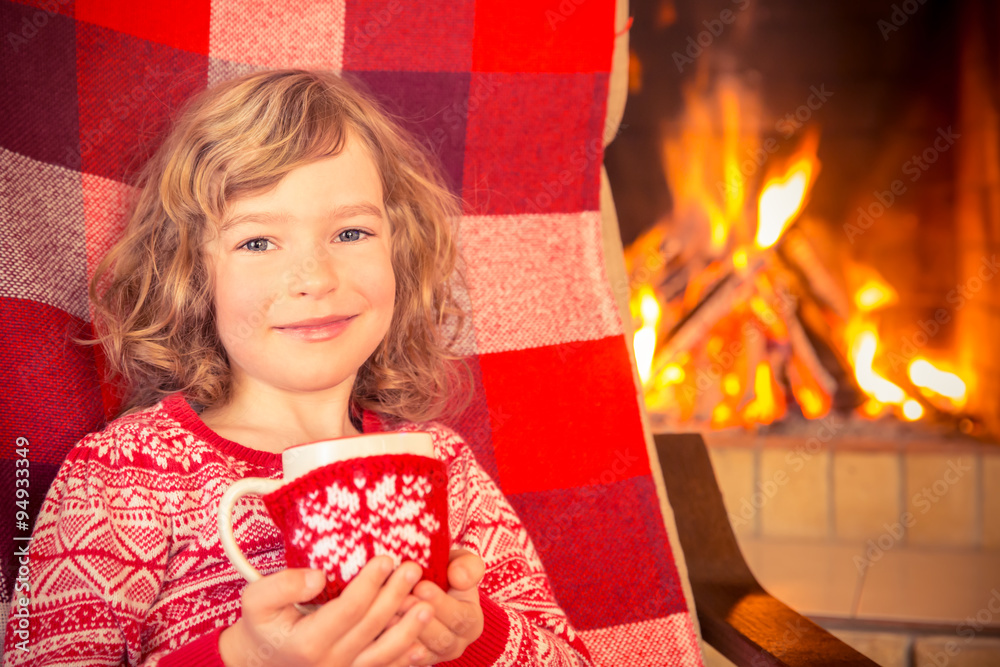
259, 485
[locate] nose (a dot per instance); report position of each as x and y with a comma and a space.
315, 273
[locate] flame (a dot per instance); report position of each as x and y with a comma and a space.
941, 389
713, 158
674, 373
927, 376
703, 155
812, 399
731, 384
872, 408
763, 311
766, 406
735, 194
912, 410
875, 294
810, 402
740, 259
644, 340
861, 333
721, 415
863, 356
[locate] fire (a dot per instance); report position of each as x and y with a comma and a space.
912, 410
706, 160
781, 202
765, 407
863, 355
875, 294
722, 415
863, 343
925, 375
702, 156
783, 197
812, 404
812, 399
740, 259
716, 339
765, 314
644, 341
940, 389
674, 374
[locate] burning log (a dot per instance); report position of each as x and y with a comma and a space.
694, 327
799, 253
776, 319
848, 394
803, 349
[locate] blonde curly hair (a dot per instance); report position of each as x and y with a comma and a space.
155, 318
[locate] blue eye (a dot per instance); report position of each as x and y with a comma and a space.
352, 232
255, 245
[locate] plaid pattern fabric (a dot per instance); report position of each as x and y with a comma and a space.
511, 96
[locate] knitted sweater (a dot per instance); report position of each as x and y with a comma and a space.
126, 565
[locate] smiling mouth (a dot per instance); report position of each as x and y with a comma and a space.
306, 325
315, 333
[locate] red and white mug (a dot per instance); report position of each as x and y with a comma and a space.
342, 502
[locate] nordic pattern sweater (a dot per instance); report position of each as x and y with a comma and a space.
126, 565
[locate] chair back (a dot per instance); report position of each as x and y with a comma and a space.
513, 98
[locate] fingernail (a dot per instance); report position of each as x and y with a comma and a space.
424, 615
315, 578
412, 576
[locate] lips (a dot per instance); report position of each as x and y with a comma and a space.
317, 329
316, 322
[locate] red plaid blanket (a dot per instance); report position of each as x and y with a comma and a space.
512, 96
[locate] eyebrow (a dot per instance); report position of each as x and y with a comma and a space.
339, 213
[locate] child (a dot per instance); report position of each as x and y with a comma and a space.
283, 278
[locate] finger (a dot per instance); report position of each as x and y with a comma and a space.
408, 603
377, 613
439, 640
465, 569
398, 645
403, 608
347, 610
265, 599
442, 601
393, 621
456, 615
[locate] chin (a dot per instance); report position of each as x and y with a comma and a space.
315, 384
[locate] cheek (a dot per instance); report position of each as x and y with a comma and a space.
389, 293
389, 285
242, 303
378, 280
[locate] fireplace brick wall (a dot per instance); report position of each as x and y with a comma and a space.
814, 515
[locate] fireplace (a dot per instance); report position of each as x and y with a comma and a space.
809, 196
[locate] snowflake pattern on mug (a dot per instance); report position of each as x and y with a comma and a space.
339, 517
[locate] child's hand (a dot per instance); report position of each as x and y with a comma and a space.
349, 630
458, 618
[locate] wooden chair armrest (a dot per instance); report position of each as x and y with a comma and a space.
737, 616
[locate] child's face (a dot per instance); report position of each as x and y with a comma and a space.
318, 248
